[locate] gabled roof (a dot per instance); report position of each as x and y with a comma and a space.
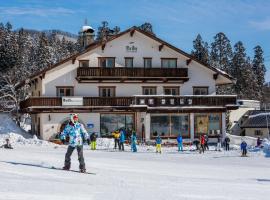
132, 29
257, 119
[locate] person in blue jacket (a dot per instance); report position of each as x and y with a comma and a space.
244, 148
77, 135
122, 140
158, 144
180, 142
133, 142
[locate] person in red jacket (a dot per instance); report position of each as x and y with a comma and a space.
202, 142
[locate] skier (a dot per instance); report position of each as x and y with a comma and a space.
259, 142
93, 139
133, 142
7, 145
206, 142
122, 140
158, 144
77, 135
244, 148
202, 142
116, 136
227, 143
218, 143
180, 142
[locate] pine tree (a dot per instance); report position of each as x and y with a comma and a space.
43, 55
245, 86
221, 53
259, 69
201, 50
147, 27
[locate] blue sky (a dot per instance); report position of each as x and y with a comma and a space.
177, 22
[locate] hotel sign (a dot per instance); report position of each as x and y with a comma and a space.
72, 101
131, 49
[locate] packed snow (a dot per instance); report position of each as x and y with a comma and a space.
26, 173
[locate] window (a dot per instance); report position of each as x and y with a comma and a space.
258, 133
83, 63
169, 125
200, 90
112, 122
147, 62
64, 91
149, 90
129, 62
168, 62
106, 91
106, 62
207, 124
171, 90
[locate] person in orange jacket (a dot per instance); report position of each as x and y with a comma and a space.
202, 142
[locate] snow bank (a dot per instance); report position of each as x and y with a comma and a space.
18, 140
236, 140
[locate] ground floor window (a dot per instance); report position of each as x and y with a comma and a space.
112, 122
170, 125
207, 123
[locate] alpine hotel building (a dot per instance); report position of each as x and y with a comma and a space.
133, 80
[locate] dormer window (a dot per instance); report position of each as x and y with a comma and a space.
107, 62
83, 63
168, 62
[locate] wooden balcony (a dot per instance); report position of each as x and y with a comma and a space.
90, 74
140, 102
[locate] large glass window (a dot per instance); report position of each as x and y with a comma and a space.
170, 125
111, 122
207, 124
129, 62
147, 62
106, 62
168, 62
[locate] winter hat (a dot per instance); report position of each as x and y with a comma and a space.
73, 117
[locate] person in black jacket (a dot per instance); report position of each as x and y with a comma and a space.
93, 138
7, 145
227, 143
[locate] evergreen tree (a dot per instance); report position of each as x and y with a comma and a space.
259, 69
200, 51
43, 55
242, 70
147, 27
221, 53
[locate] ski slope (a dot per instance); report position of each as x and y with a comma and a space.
25, 172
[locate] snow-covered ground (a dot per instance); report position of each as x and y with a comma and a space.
25, 173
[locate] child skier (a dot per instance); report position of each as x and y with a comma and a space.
180, 142
93, 139
133, 142
116, 136
77, 135
244, 148
7, 145
122, 140
158, 144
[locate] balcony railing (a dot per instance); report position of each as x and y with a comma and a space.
88, 73
228, 101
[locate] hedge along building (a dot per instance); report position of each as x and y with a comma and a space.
133, 80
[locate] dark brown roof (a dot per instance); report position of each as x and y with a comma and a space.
257, 119
134, 28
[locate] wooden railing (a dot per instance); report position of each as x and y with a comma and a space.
151, 101
131, 72
156, 101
